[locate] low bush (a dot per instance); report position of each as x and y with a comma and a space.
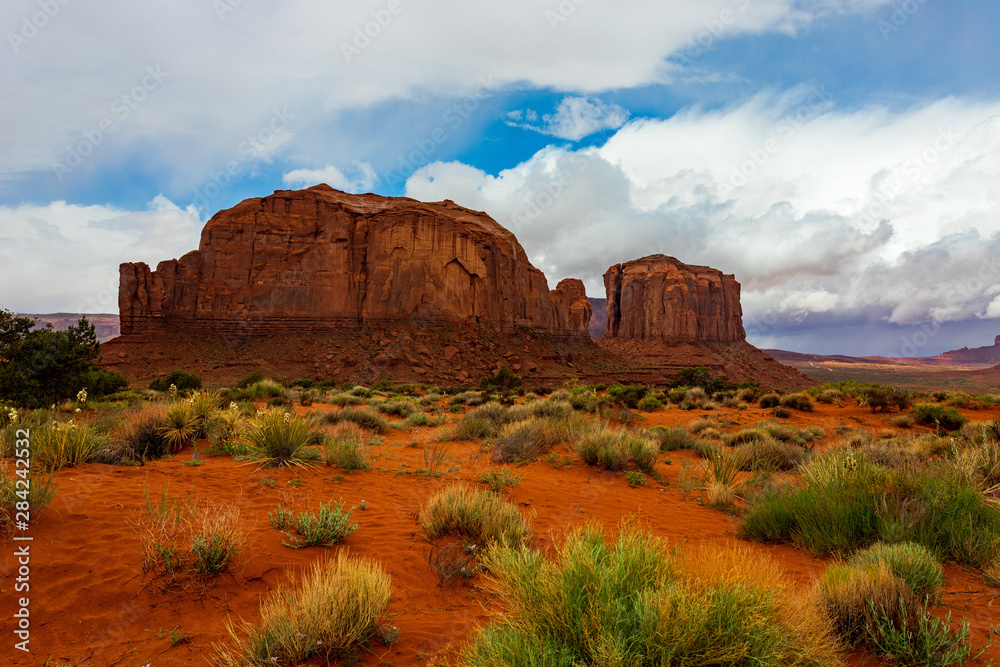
769, 401
633, 602
503, 380
479, 515
913, 563
525, 440
179, 379
800, 401
138, 437
324, 528
363, 417
336, 609
946, 419
499, 479
399, 408
670, 438
627, 395
649, 403
768, 454
346, 447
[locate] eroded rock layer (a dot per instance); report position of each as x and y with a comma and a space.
320, 259
661, 298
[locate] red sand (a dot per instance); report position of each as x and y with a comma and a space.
90, 605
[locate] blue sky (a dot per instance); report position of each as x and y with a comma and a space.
826, 152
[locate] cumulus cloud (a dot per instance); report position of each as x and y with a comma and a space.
361, 177
823, 215
319, 60
574, 119
86, 243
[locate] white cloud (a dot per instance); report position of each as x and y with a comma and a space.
574, 119
67, 77
64, 257
362, 177
868, 215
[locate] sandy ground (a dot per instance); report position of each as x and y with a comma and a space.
91, 604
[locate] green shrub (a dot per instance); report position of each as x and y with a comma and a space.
249, 380
769, 401
323, 528
633, 603
102, 382
948, 419
498, 479
399, 408
346, 448
180, 379
503, 380
649, 403
479, 515
627, 395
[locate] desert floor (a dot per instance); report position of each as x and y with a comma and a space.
91, 604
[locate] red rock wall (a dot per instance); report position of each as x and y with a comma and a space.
321, 258
660, 298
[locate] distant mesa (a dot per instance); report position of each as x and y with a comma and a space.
324, 284
320, 258
978, 357
106, 325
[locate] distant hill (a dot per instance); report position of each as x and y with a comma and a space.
979, 357
106, 325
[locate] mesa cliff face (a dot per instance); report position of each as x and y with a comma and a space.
661, 298
320, 259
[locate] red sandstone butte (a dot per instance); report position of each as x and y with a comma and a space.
661, 298
320, 258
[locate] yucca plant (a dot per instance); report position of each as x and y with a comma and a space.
280, 439
179, 427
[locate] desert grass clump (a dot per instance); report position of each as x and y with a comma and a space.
398, 407
138, 436
798, 401
346, 447
615, 449
875, 608
913, 563
205, 410
634, 602
323, 528
59, 444
41, 490
179, 426
669, 438
335, 611
526, 440
498, 479
278, 438
768, 454
217, 534
477, 514
771, 400
363, 417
